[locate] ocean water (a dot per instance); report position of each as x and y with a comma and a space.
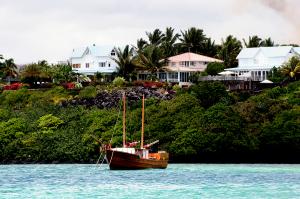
177, 181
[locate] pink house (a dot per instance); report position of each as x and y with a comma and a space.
180, 67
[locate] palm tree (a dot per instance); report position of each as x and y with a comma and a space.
141, 44
31, 73
267, 42
125, 61
252, 42
193, 40
46, 71
151, 59
229, 50
210, 48
292, 68
156, 37
9, 69
168, 43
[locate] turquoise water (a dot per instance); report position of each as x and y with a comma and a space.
177, 181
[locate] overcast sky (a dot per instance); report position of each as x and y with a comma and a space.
33, 30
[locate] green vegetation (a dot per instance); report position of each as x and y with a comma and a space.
214, 68
202, 124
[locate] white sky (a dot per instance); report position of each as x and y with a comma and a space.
32, 30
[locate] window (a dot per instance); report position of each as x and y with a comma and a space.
87, 65
173, 64
108, 64
184, 77
143, 76
101, 64
113, 53
76, 65
192, 63
185, 63
173, 76
162, 76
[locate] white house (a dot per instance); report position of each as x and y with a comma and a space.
92, 59
258, 62
180, 67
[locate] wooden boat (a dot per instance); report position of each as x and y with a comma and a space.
128, 157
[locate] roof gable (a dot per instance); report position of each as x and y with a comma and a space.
94, 50
192, 57
297, 50
279, 51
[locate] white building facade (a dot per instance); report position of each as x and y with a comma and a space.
93, 59
256, 63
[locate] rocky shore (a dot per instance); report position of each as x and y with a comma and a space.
111, 99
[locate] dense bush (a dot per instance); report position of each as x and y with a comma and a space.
214, 68
88, 92
203, 124
119, 81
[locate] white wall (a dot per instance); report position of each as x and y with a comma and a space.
94, 64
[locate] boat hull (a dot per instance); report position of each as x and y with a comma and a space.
125, 161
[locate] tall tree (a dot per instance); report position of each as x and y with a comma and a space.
168, 43
9, 69
151, 59
126, 62
267, 42
292, 68
141, 44
252, 42
46, 72
63, 73
210, 48
229, 50
193, 40
31, 73
155, 37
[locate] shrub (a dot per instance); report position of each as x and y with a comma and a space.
214, 68
88, 92
176, 88
49, 122
209, 93
119, 81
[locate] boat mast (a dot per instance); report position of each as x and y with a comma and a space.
143, 117
124, 120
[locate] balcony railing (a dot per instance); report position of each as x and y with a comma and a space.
224, 78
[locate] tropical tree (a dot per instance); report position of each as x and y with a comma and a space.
126, 62
156, 37
292, 68
210, 48
267, 42
229, 50
214, 68
253, 41
63, 73
9, 69
141, 44
31, 73
168, 43
193, 40
151, 59
46, 73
